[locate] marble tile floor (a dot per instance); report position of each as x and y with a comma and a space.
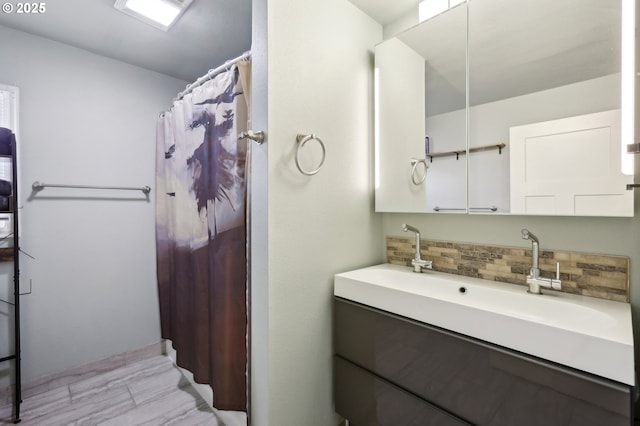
147, 392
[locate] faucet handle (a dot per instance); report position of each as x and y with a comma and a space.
556, 284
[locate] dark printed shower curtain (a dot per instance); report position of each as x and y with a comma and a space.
201, 235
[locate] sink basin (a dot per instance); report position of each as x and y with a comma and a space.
585, 333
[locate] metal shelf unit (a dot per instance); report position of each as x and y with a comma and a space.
16, 285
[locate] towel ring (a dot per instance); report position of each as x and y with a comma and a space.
414, 169
300, 141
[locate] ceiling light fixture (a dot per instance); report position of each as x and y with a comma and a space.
161, 14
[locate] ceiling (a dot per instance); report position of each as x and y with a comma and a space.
208, 34
386, 11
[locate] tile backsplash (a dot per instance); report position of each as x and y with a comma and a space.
595, 275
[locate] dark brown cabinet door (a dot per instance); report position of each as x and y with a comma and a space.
480, 383
365, 399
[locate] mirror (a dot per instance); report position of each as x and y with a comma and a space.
420, 76
540, 111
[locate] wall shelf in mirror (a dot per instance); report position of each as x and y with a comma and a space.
498, 146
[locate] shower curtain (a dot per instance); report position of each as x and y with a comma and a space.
201, 234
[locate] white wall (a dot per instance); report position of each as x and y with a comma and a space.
259, 225
320, 80
84, 119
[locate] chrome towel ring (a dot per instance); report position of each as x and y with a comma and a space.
300, 141
414, 169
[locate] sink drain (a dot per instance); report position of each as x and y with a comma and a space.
462, 290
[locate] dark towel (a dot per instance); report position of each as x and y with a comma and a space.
5, 188
4, 204
5, 141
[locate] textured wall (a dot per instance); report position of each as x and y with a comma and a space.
595, 275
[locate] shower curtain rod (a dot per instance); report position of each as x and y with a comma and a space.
211, 74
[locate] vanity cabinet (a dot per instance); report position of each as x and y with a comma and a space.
390, 370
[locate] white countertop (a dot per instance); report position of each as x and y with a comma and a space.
586, 333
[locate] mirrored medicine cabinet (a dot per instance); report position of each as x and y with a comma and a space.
508, 107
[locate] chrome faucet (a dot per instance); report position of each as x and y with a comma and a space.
534, 281
417, 262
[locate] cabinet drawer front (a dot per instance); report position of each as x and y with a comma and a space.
479, 382
365, 399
